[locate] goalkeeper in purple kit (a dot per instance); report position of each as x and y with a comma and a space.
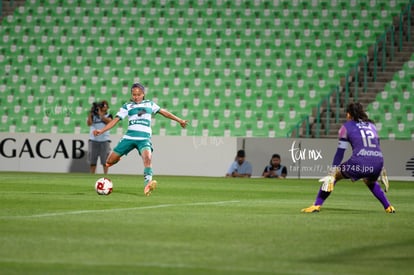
365, 163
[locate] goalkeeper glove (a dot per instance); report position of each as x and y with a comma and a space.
327, 183
383, 178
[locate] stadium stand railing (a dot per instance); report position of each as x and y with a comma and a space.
398, 126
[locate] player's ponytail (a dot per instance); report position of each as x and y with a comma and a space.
357, 113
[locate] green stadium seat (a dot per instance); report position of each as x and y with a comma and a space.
249, 47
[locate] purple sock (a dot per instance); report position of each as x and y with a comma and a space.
379, 194
321, 197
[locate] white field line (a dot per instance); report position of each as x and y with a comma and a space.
45, 215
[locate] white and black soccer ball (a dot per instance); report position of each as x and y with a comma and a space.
103, 186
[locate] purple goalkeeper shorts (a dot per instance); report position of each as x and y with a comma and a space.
359, 168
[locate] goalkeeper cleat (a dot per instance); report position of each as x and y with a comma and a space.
311, 209
384, 180
390, 209
150, 187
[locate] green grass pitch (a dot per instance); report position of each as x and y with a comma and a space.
57, 224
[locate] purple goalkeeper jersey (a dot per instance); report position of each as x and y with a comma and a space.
366, 160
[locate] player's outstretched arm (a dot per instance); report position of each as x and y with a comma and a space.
171, 116
107, 127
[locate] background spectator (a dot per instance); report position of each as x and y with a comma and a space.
240, 168
275, 169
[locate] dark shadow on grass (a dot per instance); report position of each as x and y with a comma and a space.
137, 193
346, 210
372, 253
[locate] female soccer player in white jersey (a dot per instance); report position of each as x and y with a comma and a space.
138, 135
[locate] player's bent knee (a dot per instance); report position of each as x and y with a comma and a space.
368, 181
112, 159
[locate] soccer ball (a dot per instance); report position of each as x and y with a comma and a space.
103, 186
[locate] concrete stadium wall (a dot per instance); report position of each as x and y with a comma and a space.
204, 156
313, 157
192, 156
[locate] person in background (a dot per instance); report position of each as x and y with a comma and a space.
99, 146
275, 169
240, 168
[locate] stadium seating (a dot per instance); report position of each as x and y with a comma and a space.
238, 68
394, 106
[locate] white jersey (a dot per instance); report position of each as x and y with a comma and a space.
97, 124
139, 118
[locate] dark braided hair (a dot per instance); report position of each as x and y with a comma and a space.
357, 113
138, 85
